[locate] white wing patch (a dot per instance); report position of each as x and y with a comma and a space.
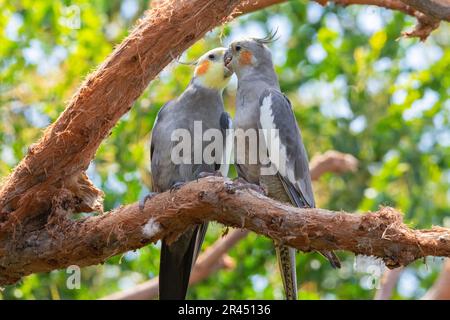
276, 149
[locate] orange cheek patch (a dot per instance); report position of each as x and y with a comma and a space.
202, 68
245, 58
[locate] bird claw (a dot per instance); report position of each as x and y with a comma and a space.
143, 200
176, 186
231, 188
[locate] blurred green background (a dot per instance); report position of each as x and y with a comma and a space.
355, 86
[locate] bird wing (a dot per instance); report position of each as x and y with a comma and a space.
226, 124
178, 257
288, 156
160, 181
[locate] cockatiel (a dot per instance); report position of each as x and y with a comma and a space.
200, 101
261, 105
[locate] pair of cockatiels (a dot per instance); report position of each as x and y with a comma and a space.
259, 105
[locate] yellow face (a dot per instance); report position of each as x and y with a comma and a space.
211, 71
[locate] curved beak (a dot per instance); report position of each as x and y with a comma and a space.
228, 72
227, 58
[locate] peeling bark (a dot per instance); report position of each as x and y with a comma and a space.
214, 258
58, 160
90, 241
49, 184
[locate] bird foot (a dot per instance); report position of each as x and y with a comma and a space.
176, 186
143, 200
231, 187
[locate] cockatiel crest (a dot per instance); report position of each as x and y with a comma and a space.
249, 54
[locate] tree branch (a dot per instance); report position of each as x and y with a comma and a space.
90, 241
438, 9
426, 23
388, 282
49, 183
59, 158
441, 287
428, 13
332, 161
213, 259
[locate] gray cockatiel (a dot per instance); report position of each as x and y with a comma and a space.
201, 101
261, 105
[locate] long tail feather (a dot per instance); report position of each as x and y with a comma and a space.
286, 262
176, 263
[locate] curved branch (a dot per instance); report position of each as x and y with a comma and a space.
90, 241
213, 259
58, 160
426, 22
428, 13
438, 9
332, 161
49, 183
60, 157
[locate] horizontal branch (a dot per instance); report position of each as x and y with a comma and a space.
215, 258
212, 260
331, 161
56, 163
167, 215
49, 183
428, 13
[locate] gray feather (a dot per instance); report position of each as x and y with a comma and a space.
297, 178
195, 104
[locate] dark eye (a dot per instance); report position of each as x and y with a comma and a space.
238, 48
211, 57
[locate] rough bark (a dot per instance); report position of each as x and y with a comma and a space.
90, 241
58, 160
50, 183
214, 258
331, 161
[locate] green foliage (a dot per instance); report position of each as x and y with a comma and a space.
355, 88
